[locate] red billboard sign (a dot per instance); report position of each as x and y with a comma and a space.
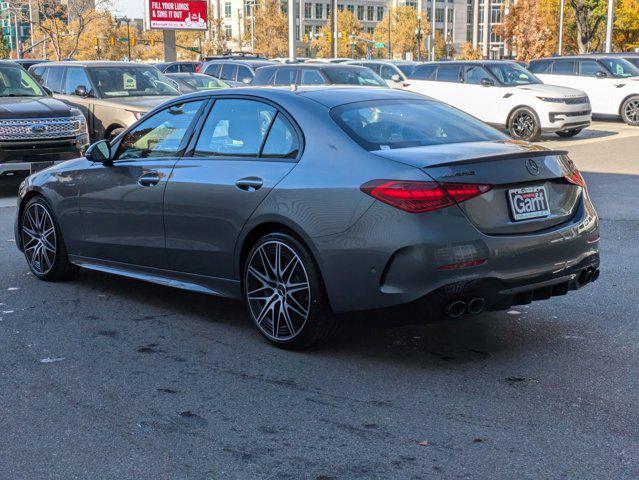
178, 14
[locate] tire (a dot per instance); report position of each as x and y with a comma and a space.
114, 133
523, 124
42, 242
568, 133
630, 111
288, 305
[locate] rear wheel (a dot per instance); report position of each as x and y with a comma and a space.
42, 242
630, 111
523, 125
284, 293
568, 133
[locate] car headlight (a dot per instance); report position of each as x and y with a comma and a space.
137, 114
79, 121
552, 100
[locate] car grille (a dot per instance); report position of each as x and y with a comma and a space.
576, 114
40, 128
576, 100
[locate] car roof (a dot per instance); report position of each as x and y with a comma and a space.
316, 66
470, 62
328, 96
592, 56
96, 63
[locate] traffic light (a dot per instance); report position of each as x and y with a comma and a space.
96, 41
329, 37
152, 42
112, 40
344, 36
133, 41
305, 38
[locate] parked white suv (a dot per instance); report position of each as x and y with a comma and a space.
504, 94
611, 82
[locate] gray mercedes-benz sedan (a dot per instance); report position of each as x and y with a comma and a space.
317, 201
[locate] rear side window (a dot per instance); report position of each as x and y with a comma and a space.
213, 70
312, 77
54, 79
282, 141
390, 124
541, 66
564, 67
243, 72
475, 74
424, 72
264, 76
448, 73
235, 128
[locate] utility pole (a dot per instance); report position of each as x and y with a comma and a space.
291, 31
335, 28
487, 8
609, 25
126, 20
433, 9
561, 28
419, 38
251, 3
15, 27
390, 52
476, 23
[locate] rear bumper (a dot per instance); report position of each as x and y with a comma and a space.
389, 258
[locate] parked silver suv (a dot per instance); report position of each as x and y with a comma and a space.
112, 95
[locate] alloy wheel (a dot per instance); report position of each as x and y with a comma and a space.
277, 290
632, 111
39, 238
523, 125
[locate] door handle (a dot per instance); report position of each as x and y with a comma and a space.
149, 179
249, 184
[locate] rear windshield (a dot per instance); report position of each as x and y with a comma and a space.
354, 76
389, 124
130, 82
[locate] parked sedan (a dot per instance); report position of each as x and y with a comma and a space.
505, 95
111, 95
317, 201
317, 74
177, 67
194, 82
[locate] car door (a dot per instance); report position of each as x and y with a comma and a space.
387, 72
121, 202
597, 88
244, 149
77, 77
448, 86
478, 100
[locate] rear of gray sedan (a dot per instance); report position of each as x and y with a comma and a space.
428, 205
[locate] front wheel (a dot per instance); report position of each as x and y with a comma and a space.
568, 133
284, 293
630, 111
523, 125
42, 242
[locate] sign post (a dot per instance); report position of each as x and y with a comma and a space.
172, 15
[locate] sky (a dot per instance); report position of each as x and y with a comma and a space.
130, 8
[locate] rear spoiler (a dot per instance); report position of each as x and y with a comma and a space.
503, 156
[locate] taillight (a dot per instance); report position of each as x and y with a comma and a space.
419, 197
575, 178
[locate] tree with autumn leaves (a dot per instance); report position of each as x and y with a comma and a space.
348, 26
403, 25
271, 29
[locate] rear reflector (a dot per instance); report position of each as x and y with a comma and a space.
419, 197
470, 263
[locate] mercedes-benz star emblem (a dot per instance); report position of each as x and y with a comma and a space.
532, 167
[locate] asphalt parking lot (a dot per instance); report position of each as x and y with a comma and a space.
110, 378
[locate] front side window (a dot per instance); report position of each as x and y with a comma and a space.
423, 72
76, 77
213, 70
113, 82
16, 82
39, 73
187, 68
541, 66
354, 76
449, 73
243, 72
228, 71
312, 77
172, 69
390, 124
160, 135
474, 75
589, 68
235, 128
620, 68
285, 76
513, 74
387, 72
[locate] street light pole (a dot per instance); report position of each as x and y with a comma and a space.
419, 39
126, 20
609, 25
252, 5
390, 53
291, 30
561, 27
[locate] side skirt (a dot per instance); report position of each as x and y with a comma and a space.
220, 287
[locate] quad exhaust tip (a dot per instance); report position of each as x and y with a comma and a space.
587, 275
476, 306
456, 309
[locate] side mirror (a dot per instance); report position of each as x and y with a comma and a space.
47, 90
601, 74
487, 82
247, 80
99, 152
80, 91
396, 78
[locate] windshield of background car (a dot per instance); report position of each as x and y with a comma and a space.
354, 76
112, 82
16, 82
620, 68
389, 124
513, 74
634, 61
